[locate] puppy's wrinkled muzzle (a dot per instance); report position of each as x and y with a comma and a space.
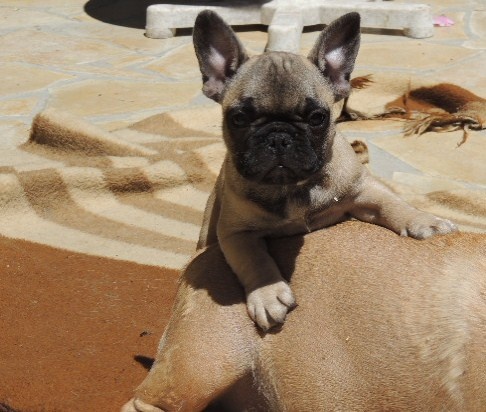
280, 175
279, 142
277, 154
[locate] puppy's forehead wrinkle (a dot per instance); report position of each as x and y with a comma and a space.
280, 67
280, 62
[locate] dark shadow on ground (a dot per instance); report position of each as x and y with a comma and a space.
145, 361
5, 408
132, 13
128, 13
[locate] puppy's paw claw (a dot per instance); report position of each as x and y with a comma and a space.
426, 225
268, 305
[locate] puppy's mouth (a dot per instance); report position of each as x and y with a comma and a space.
278, 171
280, 175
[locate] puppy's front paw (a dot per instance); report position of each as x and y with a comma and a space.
424, 225
269, 305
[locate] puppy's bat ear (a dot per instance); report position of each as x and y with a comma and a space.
335, 52
218, 51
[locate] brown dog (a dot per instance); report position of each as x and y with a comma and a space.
385, 323
287, 171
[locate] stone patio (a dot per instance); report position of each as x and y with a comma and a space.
77, 57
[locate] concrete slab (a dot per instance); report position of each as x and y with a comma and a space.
286, 18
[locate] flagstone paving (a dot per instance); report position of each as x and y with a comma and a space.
93, 60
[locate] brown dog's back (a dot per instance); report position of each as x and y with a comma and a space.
383, 323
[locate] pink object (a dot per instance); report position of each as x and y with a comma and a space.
443, 21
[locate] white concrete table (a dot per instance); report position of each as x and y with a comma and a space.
286, 18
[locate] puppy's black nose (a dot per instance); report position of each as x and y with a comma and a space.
279, 141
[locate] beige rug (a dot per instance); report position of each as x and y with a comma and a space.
138, 193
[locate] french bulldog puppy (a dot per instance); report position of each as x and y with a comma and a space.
287, 170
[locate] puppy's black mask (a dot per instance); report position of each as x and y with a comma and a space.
278, 148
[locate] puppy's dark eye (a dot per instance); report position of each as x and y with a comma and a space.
240, 119
316, 118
